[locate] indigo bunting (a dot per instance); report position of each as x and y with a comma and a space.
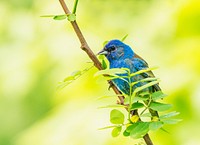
121, 55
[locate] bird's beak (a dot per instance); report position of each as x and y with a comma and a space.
102, 52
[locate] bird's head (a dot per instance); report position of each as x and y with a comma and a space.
116, 50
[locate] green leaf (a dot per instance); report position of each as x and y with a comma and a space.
107, 127
76, 73
111, 77
144, 98
136, 105
130, 127
158, 95
69, 78
126, 69
145, 86
104, 97
159, 106
116, 117
144, 80
126, 100
103, 64
101, 57
139, 129
143, 71
171, 114
60, 17
71, 17
164, 130
155, 125
112, 71
114, 106
146, 93
124, 37
171, 121
110, 96
62, 85
125, 133
146, 115
105, 42
148, 79
116, 131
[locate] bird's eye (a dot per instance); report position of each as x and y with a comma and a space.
112, 48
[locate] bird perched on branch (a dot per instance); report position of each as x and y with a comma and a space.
121, 55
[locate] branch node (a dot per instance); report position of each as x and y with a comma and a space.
84, 47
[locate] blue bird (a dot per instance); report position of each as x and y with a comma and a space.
121, 55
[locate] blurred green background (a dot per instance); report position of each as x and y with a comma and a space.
36, 53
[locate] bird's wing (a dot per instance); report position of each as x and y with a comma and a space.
143, 65
140, 64
137, 56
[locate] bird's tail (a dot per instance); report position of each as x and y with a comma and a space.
156, 88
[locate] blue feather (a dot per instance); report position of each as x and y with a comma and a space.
121, 55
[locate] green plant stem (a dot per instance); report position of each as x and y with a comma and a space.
143, 111
147, 105
130, 96
92, 56
75, 6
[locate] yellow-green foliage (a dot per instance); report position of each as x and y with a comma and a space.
36, 53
